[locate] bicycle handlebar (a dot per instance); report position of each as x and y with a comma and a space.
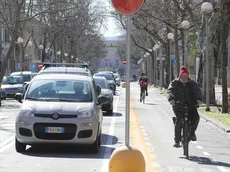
186, 106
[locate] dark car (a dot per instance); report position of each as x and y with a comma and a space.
110, 80
106, 92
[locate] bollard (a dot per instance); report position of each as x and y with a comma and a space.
127, 159
123, 85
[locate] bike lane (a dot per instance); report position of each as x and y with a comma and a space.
208, 154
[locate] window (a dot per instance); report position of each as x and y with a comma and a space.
101, 82
12, 80
60, 90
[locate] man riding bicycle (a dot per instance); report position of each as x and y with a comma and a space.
183, 91
143, 81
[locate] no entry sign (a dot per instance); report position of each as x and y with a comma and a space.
127, 7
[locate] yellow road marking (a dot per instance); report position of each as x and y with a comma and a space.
138, 140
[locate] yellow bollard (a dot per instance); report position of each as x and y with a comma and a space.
123, 85
127, 159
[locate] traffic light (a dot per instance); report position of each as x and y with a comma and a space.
124, 61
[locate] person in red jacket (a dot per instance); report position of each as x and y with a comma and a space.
143, 81
184, 91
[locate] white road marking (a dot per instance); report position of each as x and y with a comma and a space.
105, 162
199, 147
206, 153
222, 169
4, 145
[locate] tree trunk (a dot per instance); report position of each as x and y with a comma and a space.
224, 63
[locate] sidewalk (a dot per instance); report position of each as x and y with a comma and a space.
207, 118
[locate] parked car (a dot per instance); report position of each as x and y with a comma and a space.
105, 91
27, 75
66, 70
11, 85
110, 80
60, 108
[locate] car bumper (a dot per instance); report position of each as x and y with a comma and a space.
82, 132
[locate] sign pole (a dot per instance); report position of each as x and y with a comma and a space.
127, 115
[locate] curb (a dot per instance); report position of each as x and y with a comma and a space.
208, 119
214, 122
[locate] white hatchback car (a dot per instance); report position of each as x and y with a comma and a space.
60, 108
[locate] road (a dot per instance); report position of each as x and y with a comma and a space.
151, 131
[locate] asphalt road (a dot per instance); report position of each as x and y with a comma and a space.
151, 131
58, 159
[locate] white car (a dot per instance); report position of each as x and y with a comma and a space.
60, 108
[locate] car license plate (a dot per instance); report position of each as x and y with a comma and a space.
55, 130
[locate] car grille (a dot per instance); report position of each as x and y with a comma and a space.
51, 116
70, 131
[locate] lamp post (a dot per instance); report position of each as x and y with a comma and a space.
72, 58
170, 37
58, 54
20, 42
206, 9
156, 47
185, 25
30, 44
41, 47
66, 55
148, 65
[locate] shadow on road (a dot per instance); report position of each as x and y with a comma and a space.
71, 151
105, 137
151, 104
207, 161
114, 114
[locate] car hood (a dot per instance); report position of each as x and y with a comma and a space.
56, 107
106, 91
12, 86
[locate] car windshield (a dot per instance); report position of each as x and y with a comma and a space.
101, 82
26, 77
12, 80
107, 76
60, 90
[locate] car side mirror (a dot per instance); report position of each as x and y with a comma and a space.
98, 90
102, 100
18, 97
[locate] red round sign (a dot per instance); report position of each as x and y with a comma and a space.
124, 61
40, 66
127, 6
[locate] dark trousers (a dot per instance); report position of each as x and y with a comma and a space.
193, 117
145, 89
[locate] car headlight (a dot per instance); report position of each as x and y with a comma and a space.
27, 112
85, 114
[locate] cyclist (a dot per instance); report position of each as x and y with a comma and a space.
143, 81
183, 90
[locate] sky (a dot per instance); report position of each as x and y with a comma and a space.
111, 25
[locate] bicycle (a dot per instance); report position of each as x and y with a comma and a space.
186, 127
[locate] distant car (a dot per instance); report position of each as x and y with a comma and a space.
123, 78
11, 85
105, 91
27, 75
110, 79
60, 109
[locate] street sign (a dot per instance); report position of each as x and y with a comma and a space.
18, 66
40, 66
34, 65
127, 7
124, 61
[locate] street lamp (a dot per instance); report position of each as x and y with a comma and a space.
185, 25
206, 9
30, 43
20, 41
170, 37
59, 53
155, 48
72, 58
41, 47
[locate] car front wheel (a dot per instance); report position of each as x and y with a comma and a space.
96, 145
20, 147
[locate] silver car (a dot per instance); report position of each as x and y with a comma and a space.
60, 108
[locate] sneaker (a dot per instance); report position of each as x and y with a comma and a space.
146, 94
140, 100
193, 137
176, 145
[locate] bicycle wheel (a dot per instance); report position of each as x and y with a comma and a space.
143, 97
185, 139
